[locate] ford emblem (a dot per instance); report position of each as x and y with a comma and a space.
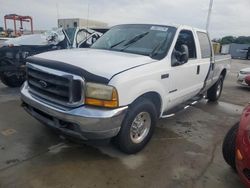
43, 83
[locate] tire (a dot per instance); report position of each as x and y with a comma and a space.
132, 137
229, 146
214, 93
12, 80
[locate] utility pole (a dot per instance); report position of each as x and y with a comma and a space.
209, 14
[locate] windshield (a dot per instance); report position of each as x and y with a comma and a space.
149, 40
71, 34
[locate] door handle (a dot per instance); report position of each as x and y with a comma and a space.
163, 76
198, 69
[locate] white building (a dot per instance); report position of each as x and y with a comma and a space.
79, 22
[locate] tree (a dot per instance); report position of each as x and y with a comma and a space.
232, 39
242, 40
227, 40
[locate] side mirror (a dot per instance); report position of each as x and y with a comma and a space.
185, 53
181, 57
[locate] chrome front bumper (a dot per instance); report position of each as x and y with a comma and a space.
83, 122
241, 79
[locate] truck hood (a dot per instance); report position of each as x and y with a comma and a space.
246, 69
102, 63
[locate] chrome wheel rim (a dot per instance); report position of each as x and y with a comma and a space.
218, 89
140, 127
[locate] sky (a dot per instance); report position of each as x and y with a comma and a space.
229, 17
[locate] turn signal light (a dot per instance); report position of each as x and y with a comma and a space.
103, 103
239, 155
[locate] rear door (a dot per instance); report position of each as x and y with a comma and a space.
206, 62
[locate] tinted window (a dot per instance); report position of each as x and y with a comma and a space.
70, 33
204, 45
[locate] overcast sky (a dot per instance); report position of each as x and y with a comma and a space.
229, 17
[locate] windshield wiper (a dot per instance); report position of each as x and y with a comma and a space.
156, 50
136, 38
133, 40
116, 44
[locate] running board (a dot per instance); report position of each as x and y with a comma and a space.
183, 106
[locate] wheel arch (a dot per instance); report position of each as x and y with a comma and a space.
155, 97
224, 73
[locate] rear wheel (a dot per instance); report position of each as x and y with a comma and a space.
137, 127
214, 93
229, 146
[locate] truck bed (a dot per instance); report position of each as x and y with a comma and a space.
222, 57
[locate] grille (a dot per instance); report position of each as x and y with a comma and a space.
244, 72
55, 86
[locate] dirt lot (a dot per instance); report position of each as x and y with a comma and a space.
184, 152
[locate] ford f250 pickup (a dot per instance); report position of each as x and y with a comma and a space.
129, 78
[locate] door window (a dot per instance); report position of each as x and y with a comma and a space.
81, 36
186, 38
184, 49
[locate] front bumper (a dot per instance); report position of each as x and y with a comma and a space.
241, 79
83, 122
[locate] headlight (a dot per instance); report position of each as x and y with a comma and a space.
244, 72
101, 95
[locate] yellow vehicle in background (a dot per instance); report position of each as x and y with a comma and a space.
216, 47
2, 32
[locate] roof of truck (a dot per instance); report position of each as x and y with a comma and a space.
167, 24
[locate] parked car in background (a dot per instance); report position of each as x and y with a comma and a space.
13, 52
236, 147
243, 77
247, 80
132, 76
248, 54
2, 33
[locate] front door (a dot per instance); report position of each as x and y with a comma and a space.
184, 76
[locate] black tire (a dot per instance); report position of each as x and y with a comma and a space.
123, 140
214, 93
229, 146
12, 80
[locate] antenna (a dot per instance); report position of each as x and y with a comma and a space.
88, 15
57, 11
209, 14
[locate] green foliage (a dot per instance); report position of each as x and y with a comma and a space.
242, 40
232, 39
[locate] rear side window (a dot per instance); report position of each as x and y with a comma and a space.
204, 45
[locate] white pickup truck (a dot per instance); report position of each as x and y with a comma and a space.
132, 76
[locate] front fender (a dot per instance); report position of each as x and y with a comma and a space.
131, 89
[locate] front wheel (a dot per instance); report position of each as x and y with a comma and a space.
137, 127
214, 93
